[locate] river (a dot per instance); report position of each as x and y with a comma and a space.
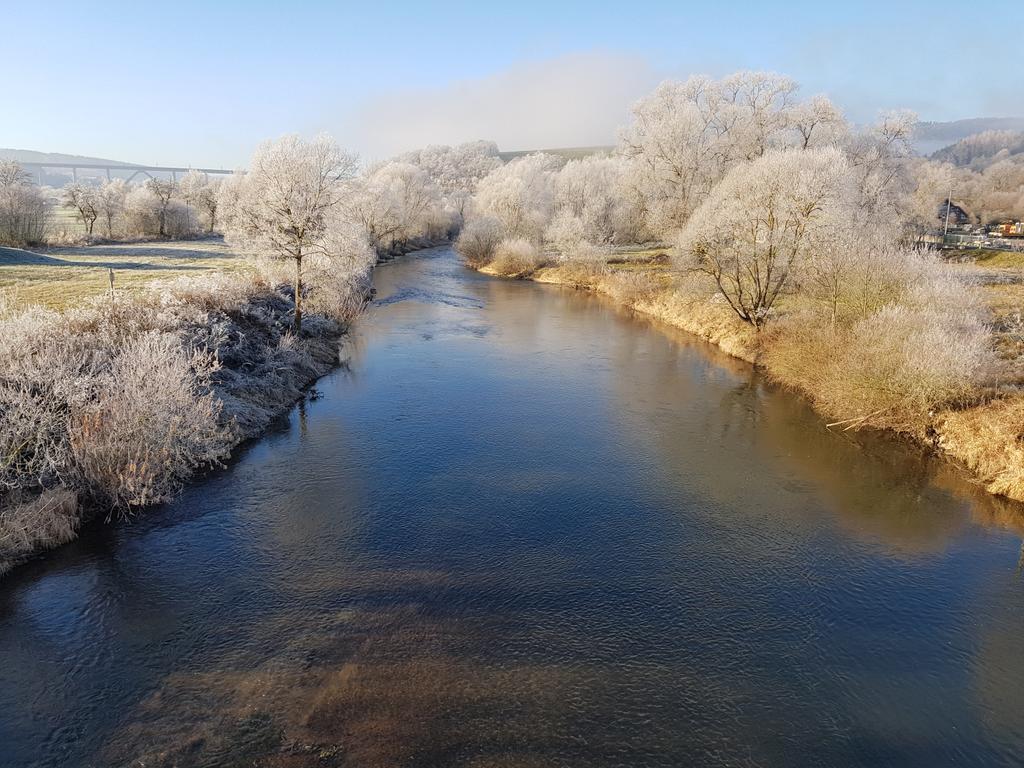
523, 528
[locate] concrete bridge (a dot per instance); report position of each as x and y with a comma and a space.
133, 170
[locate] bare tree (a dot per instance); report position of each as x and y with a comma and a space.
164, 190
818, 123
110, 202
22, 206
282, 208
82, 200
759, 225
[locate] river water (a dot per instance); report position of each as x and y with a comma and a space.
523, 528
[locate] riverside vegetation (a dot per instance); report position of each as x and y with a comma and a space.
790, 241
113, 403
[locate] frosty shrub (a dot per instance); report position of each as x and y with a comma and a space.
478, 240
904, 338
153, 422
47, 520
516, 258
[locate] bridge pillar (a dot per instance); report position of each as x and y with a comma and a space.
74, 174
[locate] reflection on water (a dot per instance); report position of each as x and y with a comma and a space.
524, 529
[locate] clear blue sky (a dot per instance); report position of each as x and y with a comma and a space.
202, 83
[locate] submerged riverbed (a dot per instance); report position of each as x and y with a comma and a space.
522, 528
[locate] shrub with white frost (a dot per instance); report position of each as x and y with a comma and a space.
152, 422
904, 338
479, 238
516, 258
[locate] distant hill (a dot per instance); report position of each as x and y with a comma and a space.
568, 153
980, 150
930, 137
31, 156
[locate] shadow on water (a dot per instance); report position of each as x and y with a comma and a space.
522, 528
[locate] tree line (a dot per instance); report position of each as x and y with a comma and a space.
777, 214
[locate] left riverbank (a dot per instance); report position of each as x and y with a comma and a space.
113, 406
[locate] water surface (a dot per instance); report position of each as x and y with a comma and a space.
522, 528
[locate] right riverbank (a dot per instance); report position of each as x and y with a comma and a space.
983, 434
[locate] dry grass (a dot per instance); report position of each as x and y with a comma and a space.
48, 520
515, 258
67, 276
998, 259
584, 274
989, 440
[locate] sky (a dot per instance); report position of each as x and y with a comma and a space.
202, 83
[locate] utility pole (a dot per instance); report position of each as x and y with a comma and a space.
949, 204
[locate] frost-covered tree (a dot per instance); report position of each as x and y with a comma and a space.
933, 183
141, 215
200, 192
81, 199
593, 204
818, 123
396, 201
22, 206
110, 202
998, 191
980, 150
208, 202
685, 136
376, 209
879, 162
163, 190
520, 195
456, 170
760, 225
286, 205
415, 198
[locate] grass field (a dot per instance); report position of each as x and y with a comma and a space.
996, 259
63, 277
1000, 275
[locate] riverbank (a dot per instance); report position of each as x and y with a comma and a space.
985, 436
115, 405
